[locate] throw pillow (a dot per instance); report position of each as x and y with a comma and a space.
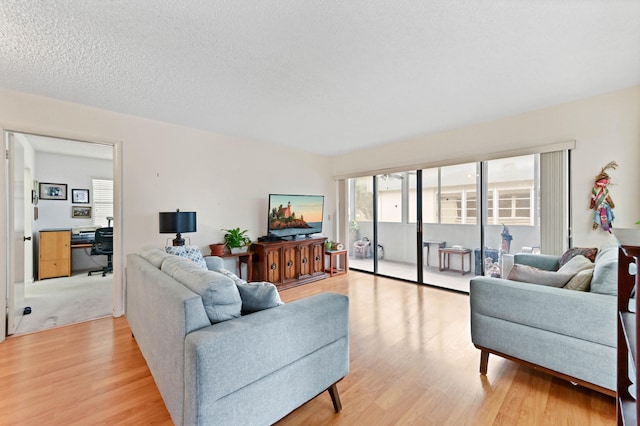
589, 253
529, 274
580, 281
258, 296
576, 264
189, 252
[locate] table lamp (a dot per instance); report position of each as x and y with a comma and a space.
177, 222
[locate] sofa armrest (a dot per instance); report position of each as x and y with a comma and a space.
541, 261
583, 315
228, 356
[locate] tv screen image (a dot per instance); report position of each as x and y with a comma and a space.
292, 215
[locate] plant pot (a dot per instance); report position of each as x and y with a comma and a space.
235, 250
217, 249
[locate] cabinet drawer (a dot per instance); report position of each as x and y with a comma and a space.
54, 268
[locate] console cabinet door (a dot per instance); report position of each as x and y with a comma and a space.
317, 259
272, 264
290, 264
305, 261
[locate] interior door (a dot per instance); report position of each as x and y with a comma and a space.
16, 243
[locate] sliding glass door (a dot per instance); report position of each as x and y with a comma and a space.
361, 223
443, 225
396, 237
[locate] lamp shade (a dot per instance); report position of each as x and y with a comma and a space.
177, 222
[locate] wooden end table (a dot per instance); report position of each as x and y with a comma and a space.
333, 262
444, 255
246, 258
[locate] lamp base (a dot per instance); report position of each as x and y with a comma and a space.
178, 240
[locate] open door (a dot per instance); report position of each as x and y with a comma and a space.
16, 231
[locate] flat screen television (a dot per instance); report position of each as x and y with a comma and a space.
293, 215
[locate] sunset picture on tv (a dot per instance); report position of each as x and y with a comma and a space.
291, 215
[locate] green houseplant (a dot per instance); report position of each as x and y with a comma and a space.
236, 240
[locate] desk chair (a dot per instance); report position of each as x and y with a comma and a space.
103, 245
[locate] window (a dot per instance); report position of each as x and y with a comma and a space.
511, 181
102, 201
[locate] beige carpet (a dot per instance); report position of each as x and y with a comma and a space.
61, 301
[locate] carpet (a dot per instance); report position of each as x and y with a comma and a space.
61, 301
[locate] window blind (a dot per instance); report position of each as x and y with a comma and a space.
554, 204
102, 201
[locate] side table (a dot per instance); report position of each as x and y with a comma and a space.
334, 261
246, 258
444, 255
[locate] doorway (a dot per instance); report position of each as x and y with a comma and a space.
68, 166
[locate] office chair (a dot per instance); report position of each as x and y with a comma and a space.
103, 245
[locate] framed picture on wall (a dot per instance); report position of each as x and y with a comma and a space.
80, 212
80, 196
53, 191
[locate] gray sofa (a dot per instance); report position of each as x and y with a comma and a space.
570, 334
248, 370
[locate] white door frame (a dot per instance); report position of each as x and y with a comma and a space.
6, 232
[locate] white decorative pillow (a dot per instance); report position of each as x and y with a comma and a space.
576, 264
188, 252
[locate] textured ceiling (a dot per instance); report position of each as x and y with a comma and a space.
319, 75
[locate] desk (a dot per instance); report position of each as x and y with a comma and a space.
444, 258
428, 243
333, 264
246, 258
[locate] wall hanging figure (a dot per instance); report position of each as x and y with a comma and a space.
601, 201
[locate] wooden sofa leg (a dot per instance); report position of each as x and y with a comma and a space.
335, 397
484, 361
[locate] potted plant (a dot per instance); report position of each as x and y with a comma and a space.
236, 240
217, 249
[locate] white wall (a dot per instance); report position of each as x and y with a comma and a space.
226, 180
605, 128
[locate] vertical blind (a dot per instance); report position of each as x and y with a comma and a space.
554, 203
102, 201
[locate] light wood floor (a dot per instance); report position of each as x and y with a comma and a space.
411, 363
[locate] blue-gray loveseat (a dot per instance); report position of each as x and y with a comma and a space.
570, 334
247, 370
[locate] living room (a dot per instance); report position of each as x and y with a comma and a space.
170, 160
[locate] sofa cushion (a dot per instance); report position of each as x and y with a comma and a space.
589, 253
155, 256
529, 274
257, 296
189, 252
236, 279
219, 294
605, 272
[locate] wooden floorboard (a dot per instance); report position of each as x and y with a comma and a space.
412, 363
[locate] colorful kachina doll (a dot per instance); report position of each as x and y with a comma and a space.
601, 201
